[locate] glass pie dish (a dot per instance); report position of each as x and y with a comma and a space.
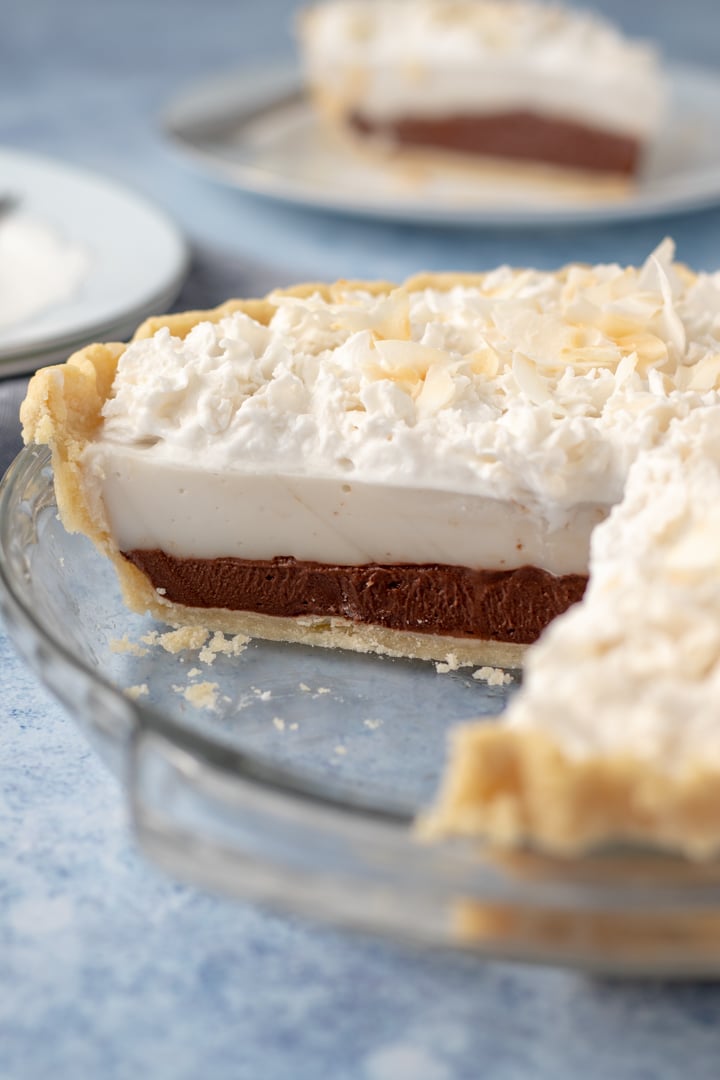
293, 776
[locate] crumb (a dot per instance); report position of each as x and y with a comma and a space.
194, 672
294, 726
323, 690
230, 646
202, 695
340, 750
124, 645
264, 695
279, 723
451, 663
220, 644
160, 591
372, 724
303, 687
493, 676
135, 692
187, 637
151, 638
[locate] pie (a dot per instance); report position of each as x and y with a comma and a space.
431, 470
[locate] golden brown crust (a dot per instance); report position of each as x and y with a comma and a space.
516, 786
328, 632
182, 323
62, 409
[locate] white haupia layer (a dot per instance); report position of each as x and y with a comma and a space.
490, 424
403, 58
634, 670
192, 512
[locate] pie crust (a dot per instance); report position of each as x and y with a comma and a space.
519, 788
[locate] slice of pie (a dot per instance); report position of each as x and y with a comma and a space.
411, 470
615, 734
505, 81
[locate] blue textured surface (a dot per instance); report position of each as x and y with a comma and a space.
108, 970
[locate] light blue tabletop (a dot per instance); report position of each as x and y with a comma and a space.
109, 970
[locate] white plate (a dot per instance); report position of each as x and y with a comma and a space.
137, 259
257, 132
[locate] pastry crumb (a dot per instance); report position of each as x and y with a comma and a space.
186, 637
323, 690
263, 695
373, 725
135, 692
294, 726
304, 688
493, 676
125, 645
202, 695
194, 672
278, 723
232, 646
450, 663
341, 750
218, 643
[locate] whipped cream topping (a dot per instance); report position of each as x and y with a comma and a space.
527, 386
634, 670
443, 57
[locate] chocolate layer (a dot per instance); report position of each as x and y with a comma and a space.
512, 605
521, 136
